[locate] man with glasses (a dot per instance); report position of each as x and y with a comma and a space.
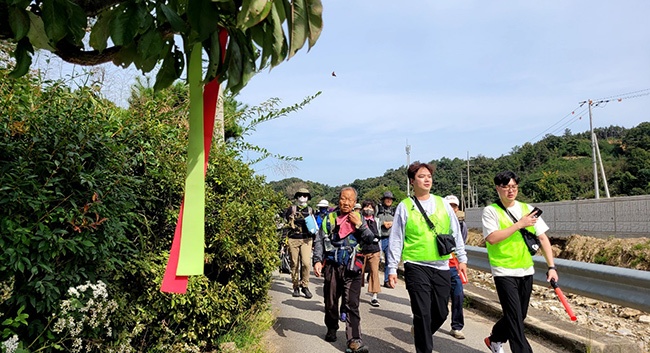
511, 262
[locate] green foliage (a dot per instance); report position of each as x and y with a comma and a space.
142, 33
67, 205
553, 169
91, 192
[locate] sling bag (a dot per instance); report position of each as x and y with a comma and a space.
531, 240
445, 242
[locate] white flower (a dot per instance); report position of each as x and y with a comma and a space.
11, 344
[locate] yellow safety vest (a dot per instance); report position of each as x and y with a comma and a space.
419, 239
512, 251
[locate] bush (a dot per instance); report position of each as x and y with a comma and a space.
66, 204
90, 192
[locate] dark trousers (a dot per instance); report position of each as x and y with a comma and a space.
457, 297
428, 290
384, 249
341, 283
514, 295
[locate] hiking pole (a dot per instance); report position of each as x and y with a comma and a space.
563, 300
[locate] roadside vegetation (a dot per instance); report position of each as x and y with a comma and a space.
89, 198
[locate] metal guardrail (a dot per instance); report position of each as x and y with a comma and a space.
623, 286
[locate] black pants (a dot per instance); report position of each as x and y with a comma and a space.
341, 283
514, 295
428, 290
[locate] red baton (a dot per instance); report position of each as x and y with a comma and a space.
563, 300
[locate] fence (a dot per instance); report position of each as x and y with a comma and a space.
623, 217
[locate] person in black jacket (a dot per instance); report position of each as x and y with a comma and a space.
336, 257
372, 251
300, 242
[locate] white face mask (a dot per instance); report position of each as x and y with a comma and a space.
302, 200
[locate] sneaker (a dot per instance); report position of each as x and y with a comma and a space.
495, 347
306, 292
344, 317
458, 334
296, 292
356, 346
374, 303
386, 284
331, 335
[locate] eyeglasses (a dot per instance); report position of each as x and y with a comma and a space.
509, 187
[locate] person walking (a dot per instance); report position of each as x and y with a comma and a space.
371, 251
323, 209
385, 214
336, 259
300, 242
457, 295
419, 223
505, 224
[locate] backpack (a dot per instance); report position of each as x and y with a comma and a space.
381, 209
343, 249
310, 220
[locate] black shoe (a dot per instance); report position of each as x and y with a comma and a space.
306, 292
296, 292
331, 335
356, 346
374, 303
386, 284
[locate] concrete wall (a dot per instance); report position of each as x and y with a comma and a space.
623, 217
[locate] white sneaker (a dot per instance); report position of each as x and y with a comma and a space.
458, 334
495, 347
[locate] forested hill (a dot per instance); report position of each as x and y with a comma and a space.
553, 169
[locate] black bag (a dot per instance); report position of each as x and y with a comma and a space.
285, 260
531, 240
445, 242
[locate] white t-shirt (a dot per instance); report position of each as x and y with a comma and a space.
491, 224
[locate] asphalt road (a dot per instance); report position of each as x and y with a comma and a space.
300, 328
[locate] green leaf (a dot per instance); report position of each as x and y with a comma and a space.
315, 16
76, 21
279, 43
150, 44
202, 16
215, 62
253, 12
23, 59
299, 26
125, 25
173, 18
101, 30
54, 18
169, 71
19, 22
36, 34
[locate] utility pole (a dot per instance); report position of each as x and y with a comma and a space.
593, 151
602, 169
469, 188
408, 163
462, 196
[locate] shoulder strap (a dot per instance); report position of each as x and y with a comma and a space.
426, 218
500, 204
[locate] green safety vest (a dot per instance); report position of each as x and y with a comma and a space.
512, 251
419, 239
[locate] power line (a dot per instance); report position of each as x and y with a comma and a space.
601, 102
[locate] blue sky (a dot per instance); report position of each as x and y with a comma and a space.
451, 77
